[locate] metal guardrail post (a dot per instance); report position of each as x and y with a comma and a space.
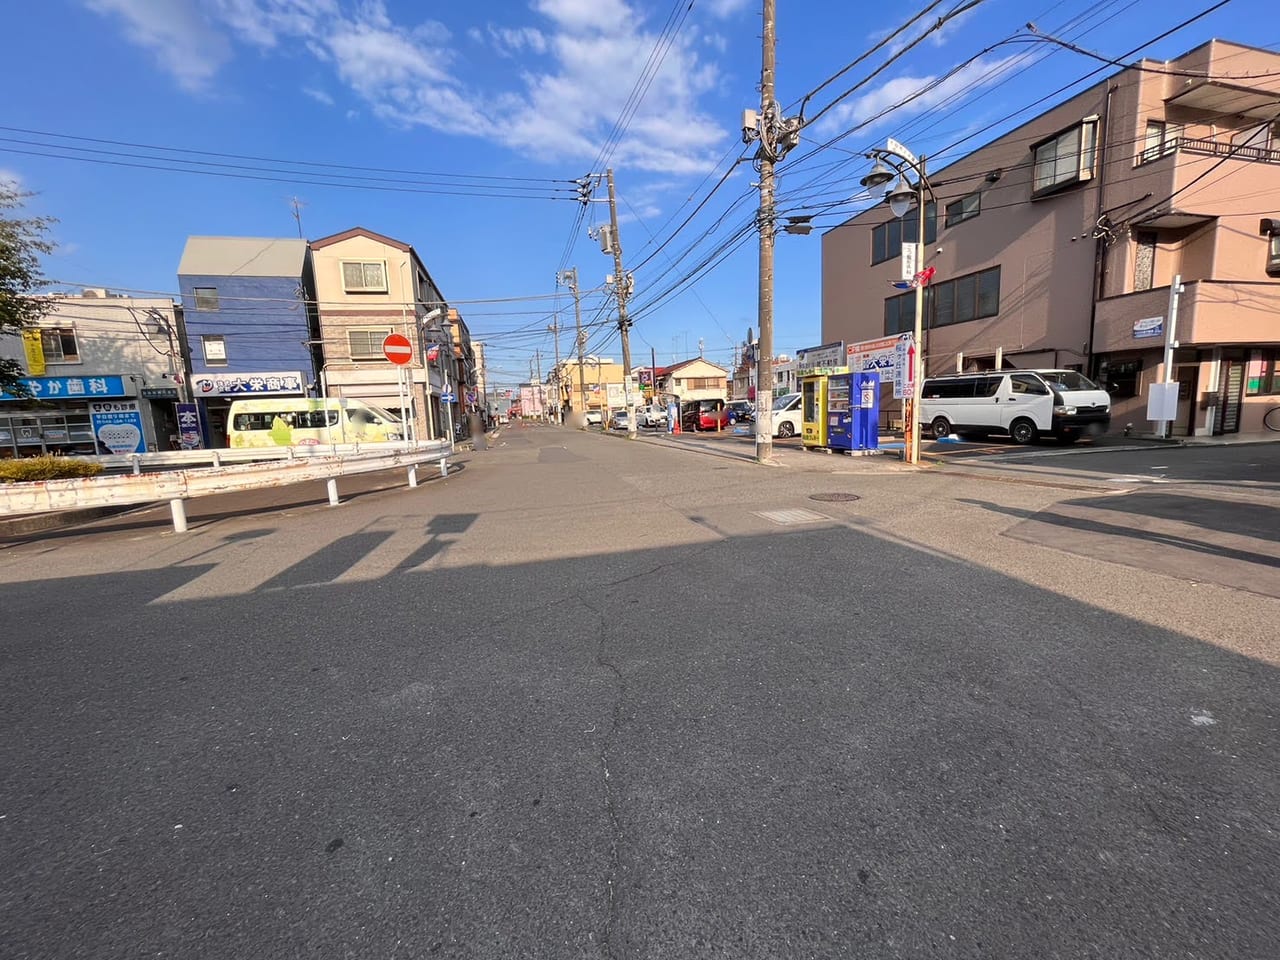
179, 511
217, 458
137, 465
332, 485
444, 466
413, 475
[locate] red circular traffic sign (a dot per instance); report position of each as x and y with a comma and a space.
397, 348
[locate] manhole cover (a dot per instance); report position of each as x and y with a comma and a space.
834, 497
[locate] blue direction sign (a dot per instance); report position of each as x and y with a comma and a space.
448, 397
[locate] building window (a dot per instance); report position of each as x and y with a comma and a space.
1161, 139
1263, 375
364, 276
215, 350
1120, 378
366, 344
1144, 266
206, 298
966, 208
975, 296
1065, 159
887, 238
59, 345
1273, 256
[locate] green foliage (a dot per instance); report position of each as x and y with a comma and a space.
29, 469
22, 240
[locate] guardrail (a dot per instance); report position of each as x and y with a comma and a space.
268, 468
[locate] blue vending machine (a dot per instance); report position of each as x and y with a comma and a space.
841, 426
866, 401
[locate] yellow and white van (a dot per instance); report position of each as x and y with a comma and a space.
307, 421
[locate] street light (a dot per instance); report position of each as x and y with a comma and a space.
892, 160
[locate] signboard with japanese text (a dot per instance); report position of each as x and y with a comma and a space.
891, 357
238, 384
117, 425
828, 358
1148, 328
188, 426
73, 388
33, 347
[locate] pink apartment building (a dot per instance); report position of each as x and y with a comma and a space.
1055, 245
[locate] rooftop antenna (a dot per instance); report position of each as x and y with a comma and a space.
297, 206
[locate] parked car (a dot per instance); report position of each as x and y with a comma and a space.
1022, 403
741, 411
619, 421
593, 418
654, 415
703, 415
786, 415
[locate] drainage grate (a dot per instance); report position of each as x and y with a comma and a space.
834, 497
785, 517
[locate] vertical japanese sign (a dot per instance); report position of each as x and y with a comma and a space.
117, 425
188, 426
33, 347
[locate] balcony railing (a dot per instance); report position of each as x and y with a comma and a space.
1216, 148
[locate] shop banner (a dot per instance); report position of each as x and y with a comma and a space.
33, 347
117, 424
239, 384
188, 426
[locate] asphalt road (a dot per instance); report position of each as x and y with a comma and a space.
594, 698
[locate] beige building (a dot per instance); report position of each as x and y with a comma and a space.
695, 379
368, 286
1056, 244
601, 376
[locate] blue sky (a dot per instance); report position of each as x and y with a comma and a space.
487, 111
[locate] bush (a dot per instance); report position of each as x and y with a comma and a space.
29, 469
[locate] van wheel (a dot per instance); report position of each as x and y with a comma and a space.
786, 430
941, 427
1023, 431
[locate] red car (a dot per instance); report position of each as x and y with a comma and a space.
704, 415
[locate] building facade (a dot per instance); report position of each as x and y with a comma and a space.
694, 379
251, 326
105, 372
1057, 244
368, 286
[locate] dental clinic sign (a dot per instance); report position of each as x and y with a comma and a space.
117, 425
71, 388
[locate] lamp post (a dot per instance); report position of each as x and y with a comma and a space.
900, 197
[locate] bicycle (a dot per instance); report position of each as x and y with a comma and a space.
1271, 419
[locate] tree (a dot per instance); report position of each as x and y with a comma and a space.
22, 240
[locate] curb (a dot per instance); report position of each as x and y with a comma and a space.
40, 522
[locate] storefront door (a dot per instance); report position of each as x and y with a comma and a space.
1229, 397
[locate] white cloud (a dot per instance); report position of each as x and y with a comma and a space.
579, 69
182, 39
974, 76
10, 179
727, 8
318, 95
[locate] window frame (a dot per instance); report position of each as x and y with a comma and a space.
364, 286
1159, 140
1267, 363
884, 246
1086, 151
205, 299
1273, 255
905, 318
213, 338
962, 214
51, 337
376, 350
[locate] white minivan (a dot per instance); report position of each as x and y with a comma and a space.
1022, 403
786, 415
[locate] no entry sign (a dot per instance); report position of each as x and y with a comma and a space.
397, 348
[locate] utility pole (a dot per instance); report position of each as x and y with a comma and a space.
555, 376
777, 135
622, 288
542, 394
570, 279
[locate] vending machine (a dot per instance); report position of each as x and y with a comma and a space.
866, 396
841, 425
813, 410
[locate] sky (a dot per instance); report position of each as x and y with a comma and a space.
461, 128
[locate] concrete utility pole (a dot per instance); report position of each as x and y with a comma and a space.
777, 135
542, 394
555, 376
570, 279
622, 287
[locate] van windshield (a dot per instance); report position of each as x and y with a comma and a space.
1061, 380
785, 401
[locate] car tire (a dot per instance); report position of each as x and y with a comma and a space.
785, 430
940, 427
1023, 431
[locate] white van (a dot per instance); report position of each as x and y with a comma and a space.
307, 421
786, 415
1022, 403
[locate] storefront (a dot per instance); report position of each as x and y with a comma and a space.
76, 416
214, 393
